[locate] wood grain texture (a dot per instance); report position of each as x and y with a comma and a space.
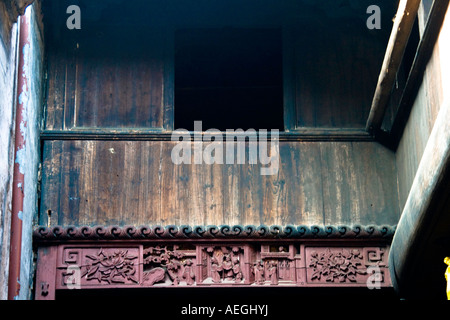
403, 24
103, 80
334, 76
419, 125
135, 182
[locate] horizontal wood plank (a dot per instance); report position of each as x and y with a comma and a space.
136, 182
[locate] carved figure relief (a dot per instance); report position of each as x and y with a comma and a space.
258, 271
268, 264
272, 272
225, 264
189, 272
279, 263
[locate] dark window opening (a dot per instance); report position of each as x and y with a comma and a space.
228, 78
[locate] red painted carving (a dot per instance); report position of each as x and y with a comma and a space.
340, 265
175, 262
189, 272
163, 264
279, 263
114, 267
94, 266
153, 276
44, 289
272, 272
258, 271
375, 257
225, 264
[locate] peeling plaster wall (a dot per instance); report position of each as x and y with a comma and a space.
29, 157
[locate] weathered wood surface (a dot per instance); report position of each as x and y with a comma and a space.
96, 82
423, 231
403, 24
120, 80
425, 53
422, 116
334, 71
135, 182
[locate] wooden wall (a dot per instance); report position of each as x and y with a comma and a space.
335, 74
136, 182
424, 111
110, 79
121, 77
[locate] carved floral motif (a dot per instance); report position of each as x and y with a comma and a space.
341, 266
115, 267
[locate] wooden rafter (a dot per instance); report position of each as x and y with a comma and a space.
403, 24
424, 52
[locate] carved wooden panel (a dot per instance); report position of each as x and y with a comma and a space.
98, 266
347, 265
228, 263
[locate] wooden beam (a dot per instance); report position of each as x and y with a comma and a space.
403, 24
426, 212
424, 52
312, 134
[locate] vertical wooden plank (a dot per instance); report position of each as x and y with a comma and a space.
88, 174
169, 81
55, 102
148, 190
248, 187
209, 185
302, 164
145, 207
69, 183
231, 194
129, 181
51, 188
70, 89
336, 184
168, 185
289, 80
74, 168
